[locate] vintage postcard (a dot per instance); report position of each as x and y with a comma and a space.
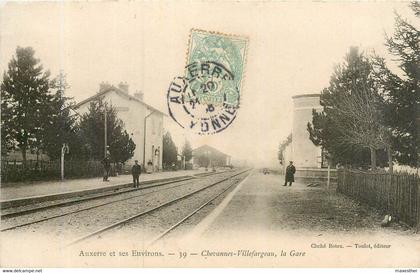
276, 134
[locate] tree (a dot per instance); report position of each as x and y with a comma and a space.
187, 151
282, 148
122, 147
323, 134
170, 151
402, 93
24, 101
61, 125
92, 130
352, 116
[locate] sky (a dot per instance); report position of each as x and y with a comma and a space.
293, 48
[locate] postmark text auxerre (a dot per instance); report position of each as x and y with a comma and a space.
206, 98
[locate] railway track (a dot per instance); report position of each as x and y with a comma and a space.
194, 212
160, 206
89, 198
70, 201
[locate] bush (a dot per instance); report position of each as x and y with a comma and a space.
16, 171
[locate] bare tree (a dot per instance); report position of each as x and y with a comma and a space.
360, 119
353, 115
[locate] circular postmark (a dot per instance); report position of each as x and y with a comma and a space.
206, 100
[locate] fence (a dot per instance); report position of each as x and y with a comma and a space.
16, 171
397, 194
317, 175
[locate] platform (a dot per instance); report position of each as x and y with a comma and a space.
299, 226
262, 205
16, 192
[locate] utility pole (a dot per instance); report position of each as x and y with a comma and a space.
64, 150
144, 139
105, 125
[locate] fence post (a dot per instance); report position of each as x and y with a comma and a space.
328, 179
396, 193
388, 196
417, 204
62, 165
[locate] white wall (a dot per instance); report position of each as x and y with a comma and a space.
287, 156
154, 139
305, 154
132, 113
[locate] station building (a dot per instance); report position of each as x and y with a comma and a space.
143, 122
305, 154
206, 156
309, 159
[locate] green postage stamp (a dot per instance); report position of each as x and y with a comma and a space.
207, 97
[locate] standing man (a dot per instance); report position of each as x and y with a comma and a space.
136, 171
107, 167
290, 174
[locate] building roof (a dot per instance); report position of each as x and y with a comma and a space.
306, 96
119, 92
208, 148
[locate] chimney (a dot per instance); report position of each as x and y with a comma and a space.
103, 86
139, 95
123, 86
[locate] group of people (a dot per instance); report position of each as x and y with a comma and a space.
135, 171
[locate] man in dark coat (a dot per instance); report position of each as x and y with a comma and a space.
107, 167
136, 171
290, 174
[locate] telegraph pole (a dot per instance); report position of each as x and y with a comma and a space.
64, 150
105, 125
144, 139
